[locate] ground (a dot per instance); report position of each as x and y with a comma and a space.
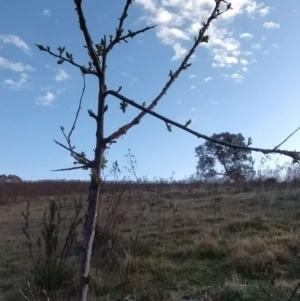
163, 242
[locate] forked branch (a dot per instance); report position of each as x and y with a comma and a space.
201, 38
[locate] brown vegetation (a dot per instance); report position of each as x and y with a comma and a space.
155, 241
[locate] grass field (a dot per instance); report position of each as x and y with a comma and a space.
161, 242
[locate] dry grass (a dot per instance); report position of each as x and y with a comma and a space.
173, 241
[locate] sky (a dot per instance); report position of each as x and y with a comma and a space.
245, 80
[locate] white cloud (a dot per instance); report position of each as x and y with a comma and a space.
208, 79
223, 60
179, 21
271, 25
275, 46
266, 52
47, 12
192, 75
192, 87
244, 62
61, 75
264, 11
18, 67
180, 52
245, 69
46, 99
193, 109
256, 46
179, 101
263, 38
237, 77
17, 41
246, 36
16, 85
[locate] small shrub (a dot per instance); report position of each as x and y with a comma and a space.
51, 256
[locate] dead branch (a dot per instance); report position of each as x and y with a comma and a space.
288, 137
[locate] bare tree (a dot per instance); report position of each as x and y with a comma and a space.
97, 64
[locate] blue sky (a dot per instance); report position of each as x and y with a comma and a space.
246, 79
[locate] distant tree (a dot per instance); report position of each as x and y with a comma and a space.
10, 178
237, 163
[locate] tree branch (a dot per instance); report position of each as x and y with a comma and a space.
294, 155
86, 161
288, 137
131, 34
77, 113
88, 39
183, 66
71, 168
70, 61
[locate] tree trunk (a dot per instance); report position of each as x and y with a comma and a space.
86, 247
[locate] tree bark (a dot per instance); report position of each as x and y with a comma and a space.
87, 243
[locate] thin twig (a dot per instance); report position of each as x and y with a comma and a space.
87, 161
294, 292
132, 34
24, 296
294, 155
81, 67
288, 137
71, 168
77, 113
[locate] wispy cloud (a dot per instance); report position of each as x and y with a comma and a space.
192, 87
46, 99
18, 67
245, 69
179, 101
178, 22
246, 35
271, 25
192, 75
237, 77
47, 12
275, 46
61, 75
193, 109
256, 46
208, 79
130, 77
17, 41
266, 52
17, 85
